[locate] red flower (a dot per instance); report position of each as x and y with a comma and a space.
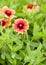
21, 26
30, 6
5, 22
9, 13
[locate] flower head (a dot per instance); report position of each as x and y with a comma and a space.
21, 26
5, 22
30, 6
9, 13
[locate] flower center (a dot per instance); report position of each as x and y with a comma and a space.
30, 6
3, 23
8, 13
20, 26
0, 22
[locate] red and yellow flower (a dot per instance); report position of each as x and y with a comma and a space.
30, 6
9, 13
5, 22
21, 25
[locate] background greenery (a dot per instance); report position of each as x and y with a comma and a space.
27, 49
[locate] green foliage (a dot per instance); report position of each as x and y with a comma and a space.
27, 49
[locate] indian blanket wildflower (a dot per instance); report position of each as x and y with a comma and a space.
5, 22
9, 13
21, 26
34, 6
